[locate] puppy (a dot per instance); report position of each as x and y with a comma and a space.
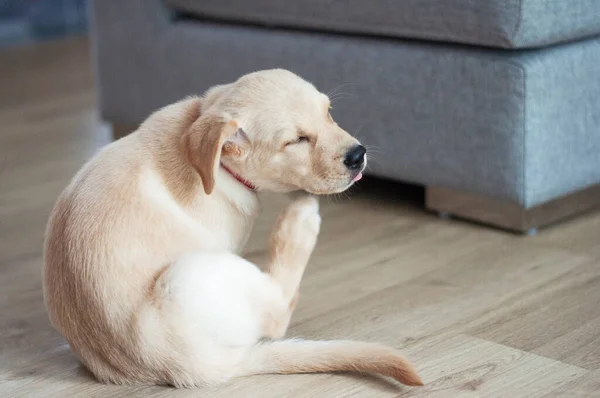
141, 268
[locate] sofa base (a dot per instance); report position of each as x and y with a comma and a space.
507, 215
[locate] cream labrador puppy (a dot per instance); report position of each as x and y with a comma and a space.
142, 273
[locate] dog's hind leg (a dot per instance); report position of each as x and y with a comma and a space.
292, 242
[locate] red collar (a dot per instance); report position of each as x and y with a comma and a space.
246, 183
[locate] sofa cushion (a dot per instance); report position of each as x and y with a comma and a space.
495, 23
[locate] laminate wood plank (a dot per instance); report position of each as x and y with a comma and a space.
559, 320
587, 386
579, 346
444, 290
463, 366
582, 234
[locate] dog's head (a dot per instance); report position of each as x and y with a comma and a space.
274, 129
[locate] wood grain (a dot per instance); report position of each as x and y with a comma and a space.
583, 387
480, 312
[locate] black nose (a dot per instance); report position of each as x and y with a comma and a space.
355, 157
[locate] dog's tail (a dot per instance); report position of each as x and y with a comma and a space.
305, 356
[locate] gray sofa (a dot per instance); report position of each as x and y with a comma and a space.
492, 105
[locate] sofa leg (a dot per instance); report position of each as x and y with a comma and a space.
120, 130
508, 215
444, 215
531, 231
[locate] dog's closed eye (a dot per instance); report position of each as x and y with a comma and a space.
301, 139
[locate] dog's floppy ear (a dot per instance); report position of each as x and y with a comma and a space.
206, 139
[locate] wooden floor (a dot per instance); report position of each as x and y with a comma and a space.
482, 313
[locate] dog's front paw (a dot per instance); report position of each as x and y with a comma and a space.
298, 227
305, 211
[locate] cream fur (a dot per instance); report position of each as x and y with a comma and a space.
142, 273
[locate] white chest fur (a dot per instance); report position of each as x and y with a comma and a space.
221, 221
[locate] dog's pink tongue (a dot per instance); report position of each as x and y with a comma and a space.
358, 177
